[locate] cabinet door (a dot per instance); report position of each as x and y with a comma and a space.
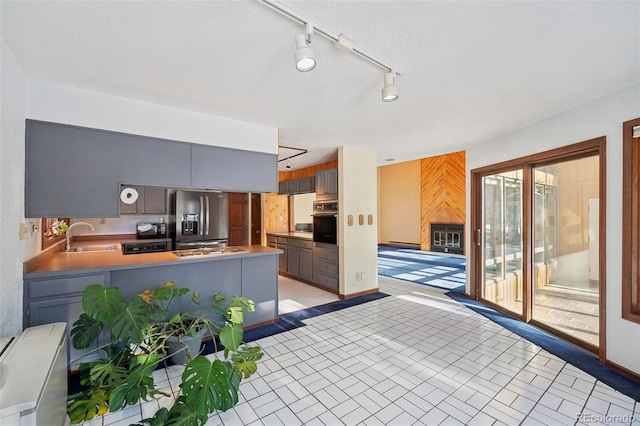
307, 185
332, 182
226, 169
63, 309
327, 184
282, 257
294, 186
283, 188
292, 260
155, 200
260, 284
133, 207
305, 264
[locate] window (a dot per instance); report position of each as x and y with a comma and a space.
49, 238
631, 221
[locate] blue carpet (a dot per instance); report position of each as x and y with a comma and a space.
578, 357
421, 267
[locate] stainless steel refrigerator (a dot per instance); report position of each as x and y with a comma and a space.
201, 219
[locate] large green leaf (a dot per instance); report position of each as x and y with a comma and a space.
85, 331
84, 406
102, 303
231, 336
107, 374
210, 386
130, 392
245, 360
132, 323
168, 291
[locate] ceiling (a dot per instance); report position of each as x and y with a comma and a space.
470, 71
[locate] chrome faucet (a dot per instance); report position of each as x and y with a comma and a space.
73, 225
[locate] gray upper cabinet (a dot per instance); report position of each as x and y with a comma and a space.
75, 171
151, 200
228, 169
297, 186
327, 185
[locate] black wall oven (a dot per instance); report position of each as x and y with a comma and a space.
325, 222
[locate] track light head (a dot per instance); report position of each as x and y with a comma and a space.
305, 60
288, 164
389, 91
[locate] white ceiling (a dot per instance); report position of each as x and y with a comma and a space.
471, 71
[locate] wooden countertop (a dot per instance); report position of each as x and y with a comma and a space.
301, 235
56, 261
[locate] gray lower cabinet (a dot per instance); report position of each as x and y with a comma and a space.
253, 277
151, 200
325, 266
59, 299
313, 262
305, 260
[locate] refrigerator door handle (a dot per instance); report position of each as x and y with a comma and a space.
201, 213
208, 207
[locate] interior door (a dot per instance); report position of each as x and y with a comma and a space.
256, 219
238, 218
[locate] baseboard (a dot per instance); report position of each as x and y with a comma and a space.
360, 293
622, 370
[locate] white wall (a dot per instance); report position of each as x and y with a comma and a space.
303, 208
357, 188
601, 117
13, 251
68, 105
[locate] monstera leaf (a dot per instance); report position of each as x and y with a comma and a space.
85, 331
137, 386
245, 360
209, 386
85, 406
231, 336
102, 304
131, 323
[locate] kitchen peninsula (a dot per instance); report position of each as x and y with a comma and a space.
54, 281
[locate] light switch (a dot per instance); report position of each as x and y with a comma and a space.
370, 219
22, 233
350, 220
361, 219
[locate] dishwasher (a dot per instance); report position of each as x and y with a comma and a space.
33, 377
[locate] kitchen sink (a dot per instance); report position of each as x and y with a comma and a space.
92, 248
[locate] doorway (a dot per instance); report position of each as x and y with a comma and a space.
538, 255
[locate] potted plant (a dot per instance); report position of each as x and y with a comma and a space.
139, 330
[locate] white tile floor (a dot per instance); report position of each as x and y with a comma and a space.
414, 358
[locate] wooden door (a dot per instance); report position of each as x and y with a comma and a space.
238, 218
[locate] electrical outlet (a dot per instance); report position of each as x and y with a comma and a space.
103, 221
359, 276
34, 228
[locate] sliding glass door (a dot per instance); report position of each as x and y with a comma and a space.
537, 252
566, 247
502, 236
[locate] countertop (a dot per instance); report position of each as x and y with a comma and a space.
291, 234
56, 261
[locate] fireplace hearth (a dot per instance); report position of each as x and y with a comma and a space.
447, 238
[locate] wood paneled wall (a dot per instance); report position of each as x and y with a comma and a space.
443, 199
306, 172
277, 206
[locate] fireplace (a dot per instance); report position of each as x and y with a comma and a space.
447, 238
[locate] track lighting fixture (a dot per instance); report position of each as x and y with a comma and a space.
288, 164
304, 55
389, 91
305, 60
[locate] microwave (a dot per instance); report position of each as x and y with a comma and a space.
147, 230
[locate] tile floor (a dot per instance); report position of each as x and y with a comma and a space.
415, 358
